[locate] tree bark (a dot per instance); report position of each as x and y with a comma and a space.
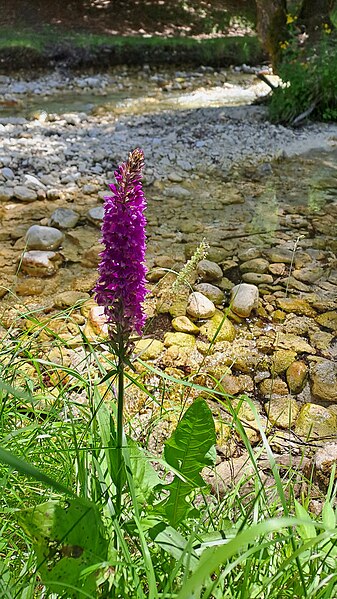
271, 26
314, 14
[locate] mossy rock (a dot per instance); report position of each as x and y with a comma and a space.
218, 328
315, 422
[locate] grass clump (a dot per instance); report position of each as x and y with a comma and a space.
251, 537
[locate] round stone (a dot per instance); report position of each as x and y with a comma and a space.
256, 278
7, 173
199, 306
182, 324
95, 215
213, 293
296, 375
244, 299
43, 238
25, 194
209, 271
64, 218
258, 265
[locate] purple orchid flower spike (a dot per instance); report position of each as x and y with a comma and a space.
121, 284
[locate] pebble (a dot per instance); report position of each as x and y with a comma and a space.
213, 293
257, 265
43, 238
40, 264
95, 215
244, 299
64, 218
199, 306
296, 375
257, 279
7, 173
23, 193
209, 271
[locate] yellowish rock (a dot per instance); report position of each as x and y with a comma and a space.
218, 328
148, 349
315, 421
282, 411
183, 324
282, 358
179, 339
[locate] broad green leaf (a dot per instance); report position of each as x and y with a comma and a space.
328, 516
187, 451
308, 530
169, 539
67, 538
144, 476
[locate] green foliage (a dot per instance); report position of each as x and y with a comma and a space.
68, 541
187, 451
310, 85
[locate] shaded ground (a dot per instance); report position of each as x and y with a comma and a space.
133, 17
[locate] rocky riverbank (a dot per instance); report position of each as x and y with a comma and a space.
261, 317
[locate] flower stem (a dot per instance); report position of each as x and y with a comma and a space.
119, 443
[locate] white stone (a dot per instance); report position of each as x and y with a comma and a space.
199, 306
244, 299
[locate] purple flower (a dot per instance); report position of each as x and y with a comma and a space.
121, 284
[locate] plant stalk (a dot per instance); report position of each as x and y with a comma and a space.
119, 436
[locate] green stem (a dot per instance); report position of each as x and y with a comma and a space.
119, 445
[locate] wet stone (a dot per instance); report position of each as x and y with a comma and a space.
297, 374
64, 218
43, 238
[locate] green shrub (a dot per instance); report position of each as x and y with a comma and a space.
310, 85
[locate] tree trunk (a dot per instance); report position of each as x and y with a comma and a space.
314, 15
271, 25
